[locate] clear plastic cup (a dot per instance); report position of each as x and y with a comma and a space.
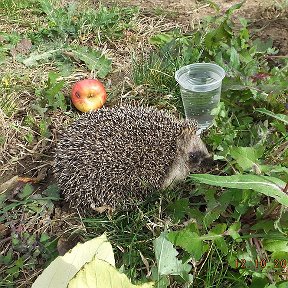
200, 87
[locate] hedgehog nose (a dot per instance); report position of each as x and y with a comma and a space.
207, 162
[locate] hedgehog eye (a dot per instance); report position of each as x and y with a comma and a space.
194, 156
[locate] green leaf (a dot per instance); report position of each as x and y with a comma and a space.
166, 257
234, 58
275, 245
35, 57
178, 209
189, 241
246, 157
100, 274
258, 282
280, 117
262, 46
52, 191
64, 268
219, 241
95, 60
214, 213
265, 225
161, 281
27, 191
161, 39
233, 230
269, 186
234, 7
282, 284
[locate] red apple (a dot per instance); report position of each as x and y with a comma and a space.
88, 95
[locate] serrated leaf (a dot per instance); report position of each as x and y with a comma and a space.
269, 186
280, 117
189, 241
166, 257
95, 60
246, 157
64, 268
213, 213
35, 57
100, 274
178, 209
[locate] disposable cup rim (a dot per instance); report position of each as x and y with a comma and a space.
218, 69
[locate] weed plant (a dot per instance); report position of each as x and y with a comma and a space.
245, 142
210, 235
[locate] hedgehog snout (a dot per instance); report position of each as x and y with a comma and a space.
199, 159
207, 162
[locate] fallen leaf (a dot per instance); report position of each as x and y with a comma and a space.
100, 274
64, 268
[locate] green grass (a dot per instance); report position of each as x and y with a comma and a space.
71, 42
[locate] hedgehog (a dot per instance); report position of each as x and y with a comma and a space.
114, 157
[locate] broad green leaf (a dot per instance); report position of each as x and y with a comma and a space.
52, 191
189, 241
161, 281
64, 268
258, 282
100, 274
178, 209
282, 284
275, 245
94, 60
166, 257
269, 186
246, 157
161, 39
265, 225
280, 117
262, 46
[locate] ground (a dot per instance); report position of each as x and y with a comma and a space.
33, 159
267, 22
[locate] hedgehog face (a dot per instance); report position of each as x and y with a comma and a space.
191, 155
197, 153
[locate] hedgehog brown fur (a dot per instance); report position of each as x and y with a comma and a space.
115, 156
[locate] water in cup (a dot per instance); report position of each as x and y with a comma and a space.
200, 86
